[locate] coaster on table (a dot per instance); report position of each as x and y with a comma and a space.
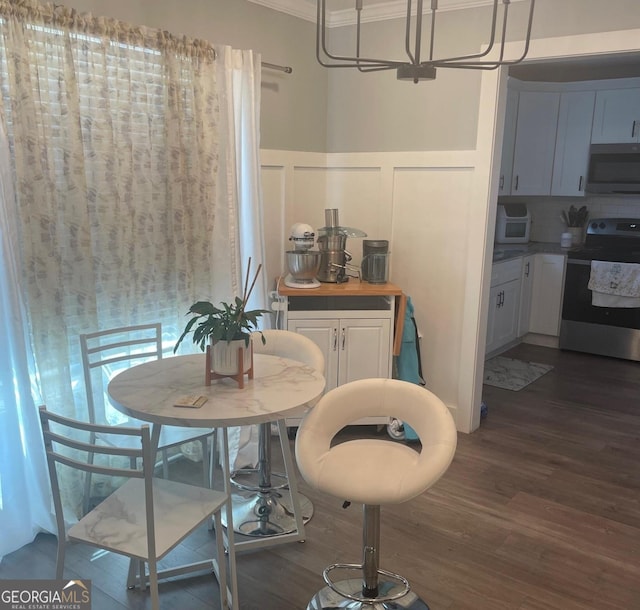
194, 402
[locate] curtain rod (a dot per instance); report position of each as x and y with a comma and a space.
286, 69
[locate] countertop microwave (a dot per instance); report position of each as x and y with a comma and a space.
513, 224
614, 169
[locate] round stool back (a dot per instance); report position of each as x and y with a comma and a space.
376, 471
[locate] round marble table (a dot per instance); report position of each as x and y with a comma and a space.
280, 388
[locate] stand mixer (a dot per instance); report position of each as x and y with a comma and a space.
303, 263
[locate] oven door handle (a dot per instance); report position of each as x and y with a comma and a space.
577, 261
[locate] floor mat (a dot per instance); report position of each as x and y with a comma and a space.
513, 374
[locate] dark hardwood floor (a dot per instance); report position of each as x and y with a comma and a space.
540, 510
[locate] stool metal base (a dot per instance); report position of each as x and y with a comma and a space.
327, 599
268, 513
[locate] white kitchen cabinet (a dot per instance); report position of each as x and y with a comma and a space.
504, 304
616, 116
508, 142
535, 142
573, 138
526, 291
547, 292
353, 348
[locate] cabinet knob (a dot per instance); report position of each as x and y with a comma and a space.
517, 181
580, 184
633, 129
335, 339
343, 339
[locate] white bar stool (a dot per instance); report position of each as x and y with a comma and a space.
373, 472
269, 509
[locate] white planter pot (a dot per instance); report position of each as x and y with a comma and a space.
224, 357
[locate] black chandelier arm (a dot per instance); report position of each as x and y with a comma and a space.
459, 62
323, 54
407, 34
416, 69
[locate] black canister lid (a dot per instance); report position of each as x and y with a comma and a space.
375, 244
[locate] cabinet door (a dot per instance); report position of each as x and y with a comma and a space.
535, 142
508, 143
573, 138
526, 289
364, 347
506, 323
324, 333
546, 300
495, 297
616, 117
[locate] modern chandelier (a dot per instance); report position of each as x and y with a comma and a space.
416, 68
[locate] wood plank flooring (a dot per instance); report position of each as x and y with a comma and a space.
540, 510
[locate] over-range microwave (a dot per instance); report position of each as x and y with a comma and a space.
614, 168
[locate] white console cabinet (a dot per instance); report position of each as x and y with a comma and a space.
353, 325
353, 348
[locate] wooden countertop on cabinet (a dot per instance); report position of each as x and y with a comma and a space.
353, 287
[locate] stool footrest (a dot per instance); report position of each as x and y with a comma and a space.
401, 580
255, 488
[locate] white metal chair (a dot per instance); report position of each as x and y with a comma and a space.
106, 352
267, 511
145, 517
373, 472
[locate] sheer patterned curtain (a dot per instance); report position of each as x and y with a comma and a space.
126, 206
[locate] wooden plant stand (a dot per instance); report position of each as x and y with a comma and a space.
239, 376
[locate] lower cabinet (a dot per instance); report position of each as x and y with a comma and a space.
546, 297
526, 297
353, 348
504, 304
526, 292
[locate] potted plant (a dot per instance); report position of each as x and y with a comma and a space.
226, 328
575, 219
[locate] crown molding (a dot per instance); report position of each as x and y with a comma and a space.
302, 9
380, 11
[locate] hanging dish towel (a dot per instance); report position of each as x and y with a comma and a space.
614, 284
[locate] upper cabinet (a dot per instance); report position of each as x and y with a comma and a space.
549, 128
617, 116
508, 142
571, 158
535, 142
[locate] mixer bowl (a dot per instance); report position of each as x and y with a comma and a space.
303, 265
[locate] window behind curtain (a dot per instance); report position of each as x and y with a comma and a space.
124, 150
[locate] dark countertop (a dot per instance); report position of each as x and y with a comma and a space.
505, 252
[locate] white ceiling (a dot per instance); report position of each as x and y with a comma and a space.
341, 12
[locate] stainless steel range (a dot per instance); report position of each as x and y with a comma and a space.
585, 327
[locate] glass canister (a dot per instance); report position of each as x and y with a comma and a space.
375, 261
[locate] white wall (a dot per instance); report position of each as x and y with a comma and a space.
421, 202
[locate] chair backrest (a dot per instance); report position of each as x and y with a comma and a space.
288, 344
108, 352
70, 444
